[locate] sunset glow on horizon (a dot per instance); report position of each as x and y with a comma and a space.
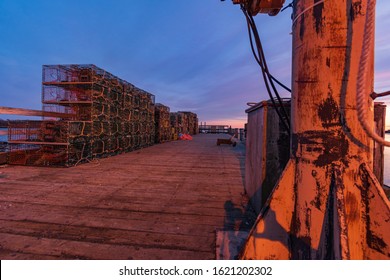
192, 55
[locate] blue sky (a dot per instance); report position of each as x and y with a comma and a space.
193, 55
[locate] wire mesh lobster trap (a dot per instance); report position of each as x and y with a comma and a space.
163, 124
189, 122
48, 143
109, 116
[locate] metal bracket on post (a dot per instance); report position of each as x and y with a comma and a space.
270, 7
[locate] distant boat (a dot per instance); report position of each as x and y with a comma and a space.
387, 131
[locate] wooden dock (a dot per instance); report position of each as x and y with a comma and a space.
161, 202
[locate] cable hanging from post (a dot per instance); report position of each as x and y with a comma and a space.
269, 80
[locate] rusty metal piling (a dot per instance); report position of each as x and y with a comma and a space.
328, 203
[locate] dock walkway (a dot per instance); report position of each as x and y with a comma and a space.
161, 202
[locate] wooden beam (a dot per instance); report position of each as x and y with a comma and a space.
36, 113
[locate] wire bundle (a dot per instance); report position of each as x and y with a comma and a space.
269, 80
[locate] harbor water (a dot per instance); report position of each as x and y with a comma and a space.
3, 138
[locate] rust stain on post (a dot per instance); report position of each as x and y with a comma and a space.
329, 112
355, 10
317, 14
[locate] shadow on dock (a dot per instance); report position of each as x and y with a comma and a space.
237, 225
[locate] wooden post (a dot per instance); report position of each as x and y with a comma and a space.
380, 120
327, 204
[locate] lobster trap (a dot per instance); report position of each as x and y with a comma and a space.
190, 122
106, 116
48, 143
163, 125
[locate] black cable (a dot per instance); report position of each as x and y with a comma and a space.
270, 94
288, 6
253, 25
258, 61
266, 68
262, 55
268, 78
260, 50
280, 84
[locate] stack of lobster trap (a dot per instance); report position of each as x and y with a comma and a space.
162, 123
190, 122
183, 123
174, 120
102, 116
109, 116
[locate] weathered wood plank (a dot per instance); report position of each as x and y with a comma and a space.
7, 254
28, 211
88, 250
106, 235
161, 202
